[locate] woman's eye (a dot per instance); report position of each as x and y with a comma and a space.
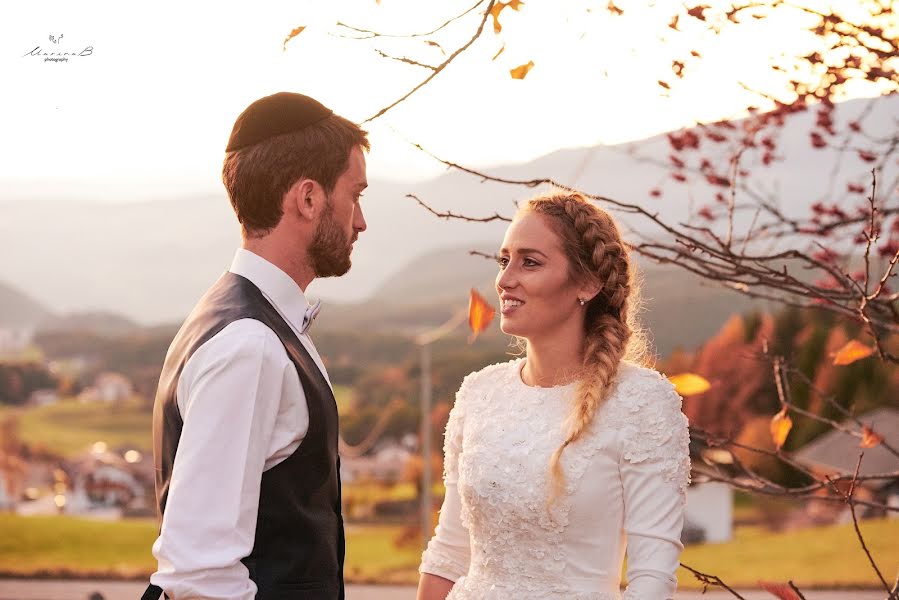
530, 262
503, 261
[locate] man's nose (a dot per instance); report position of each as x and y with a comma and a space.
359, 223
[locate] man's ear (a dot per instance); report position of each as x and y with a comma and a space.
307, 198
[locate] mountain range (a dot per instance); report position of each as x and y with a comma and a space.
149, 261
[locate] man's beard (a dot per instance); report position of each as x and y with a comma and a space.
330, 248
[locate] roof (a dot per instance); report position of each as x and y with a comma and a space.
837, 451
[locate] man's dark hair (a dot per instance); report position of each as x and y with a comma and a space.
258, 176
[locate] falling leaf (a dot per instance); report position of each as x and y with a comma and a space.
614, 9
673, 23
294, 33
664, 85
689, 384
781, 423
521, 71
494, 12
781, 590
870, 438
495, 56
851, 352
514, 4
480, 313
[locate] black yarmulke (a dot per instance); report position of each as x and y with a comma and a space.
274, 115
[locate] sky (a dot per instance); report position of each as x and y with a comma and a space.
147, 113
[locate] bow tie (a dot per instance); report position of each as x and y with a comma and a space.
309, 316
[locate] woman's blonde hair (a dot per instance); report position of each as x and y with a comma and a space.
591, 240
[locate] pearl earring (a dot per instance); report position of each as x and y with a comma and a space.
582, 301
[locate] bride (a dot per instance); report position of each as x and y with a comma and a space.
557, 463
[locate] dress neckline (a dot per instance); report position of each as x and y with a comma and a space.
518, 366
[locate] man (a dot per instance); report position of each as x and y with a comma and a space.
245, 422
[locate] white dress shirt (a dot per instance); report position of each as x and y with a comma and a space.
244, 411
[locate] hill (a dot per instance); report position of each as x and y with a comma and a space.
151, 260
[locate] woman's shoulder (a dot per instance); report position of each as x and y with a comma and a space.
638, 387
491, 375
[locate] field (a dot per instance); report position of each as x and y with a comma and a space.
69, 427
813, 558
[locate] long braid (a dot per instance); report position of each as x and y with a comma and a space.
593, 243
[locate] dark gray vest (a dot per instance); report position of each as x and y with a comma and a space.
299, 546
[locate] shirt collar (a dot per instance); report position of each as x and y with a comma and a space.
278, 287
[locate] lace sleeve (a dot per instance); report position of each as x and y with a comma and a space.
448, 552
655, 471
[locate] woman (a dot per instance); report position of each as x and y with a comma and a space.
557, 462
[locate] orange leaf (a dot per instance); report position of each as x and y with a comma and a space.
851, 352
521, 71
664, 85
495, 56
294, 33
514, 4
480, 313
689, 384
494, 12
781, 423
870, 438
781, 590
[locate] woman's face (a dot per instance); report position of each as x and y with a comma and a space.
537, 294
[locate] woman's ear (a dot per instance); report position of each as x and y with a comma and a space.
589, 290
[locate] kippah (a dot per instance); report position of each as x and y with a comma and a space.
274, 115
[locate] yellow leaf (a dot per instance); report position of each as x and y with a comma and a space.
294, 33
781, 423
689, 384
870, 438
851, 352
495, 56
514, 4
480, 313
521, 71
494, 12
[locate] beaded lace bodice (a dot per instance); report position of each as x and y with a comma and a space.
625, 485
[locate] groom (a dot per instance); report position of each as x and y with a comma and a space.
245, 423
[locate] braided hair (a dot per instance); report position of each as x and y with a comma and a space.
596, 253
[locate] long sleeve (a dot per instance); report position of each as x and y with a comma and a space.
448, 553
230, 394
655, 469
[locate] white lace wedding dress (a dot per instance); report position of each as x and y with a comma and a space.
626, 481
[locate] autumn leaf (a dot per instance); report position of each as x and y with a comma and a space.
781, 423
614, 10
664, 85
851, 352
514, 4
294, 33
870, 438
495, 56
494, 12
781, 590
689, 384
480, 313
521, 71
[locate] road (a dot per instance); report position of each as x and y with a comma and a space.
30, 589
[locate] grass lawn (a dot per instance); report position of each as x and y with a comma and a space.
814, 557
70, 427
821, 557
